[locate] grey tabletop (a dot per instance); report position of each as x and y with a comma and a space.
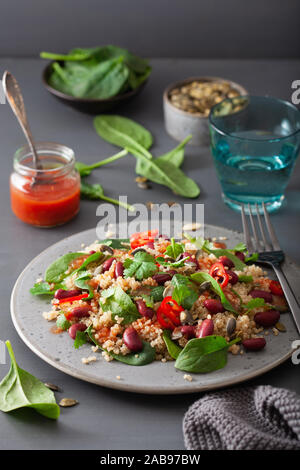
108, 419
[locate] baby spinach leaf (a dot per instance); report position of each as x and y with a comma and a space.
56, 272
183, 292
62, 322
175, 156
157, 293
166, 173
143, 357
173, 349
202, 355
80, 339
42, 288
176, 264
85, 170
90, 259
141, 267
95, 191
20, 389
201, 277
174, 249
119, 303
125, 133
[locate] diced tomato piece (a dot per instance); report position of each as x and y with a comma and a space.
141, 238
276, 288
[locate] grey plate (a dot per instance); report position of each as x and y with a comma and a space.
158, 378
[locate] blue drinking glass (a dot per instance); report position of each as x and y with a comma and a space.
255, 141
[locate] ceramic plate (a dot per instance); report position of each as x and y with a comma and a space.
158, 377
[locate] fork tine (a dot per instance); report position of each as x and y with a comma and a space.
266, 246
253, 228
246, 232
273, 237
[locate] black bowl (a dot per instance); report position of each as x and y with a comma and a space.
90, 105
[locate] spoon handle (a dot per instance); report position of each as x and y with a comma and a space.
14, 97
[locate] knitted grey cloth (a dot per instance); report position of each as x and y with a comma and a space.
251, 418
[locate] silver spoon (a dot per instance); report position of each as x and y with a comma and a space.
14, 97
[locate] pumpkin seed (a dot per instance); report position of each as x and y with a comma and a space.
141, 179
52, 387
67, 402
280, 326
137, 250
186, 317
144, 186
231, 326
204, 286
176, 333
107, 249
168, 291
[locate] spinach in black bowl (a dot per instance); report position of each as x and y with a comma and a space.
95, 79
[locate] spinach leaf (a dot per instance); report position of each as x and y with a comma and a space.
20, 389
80, 339
145, 356
116, 243
157, 293
42, 288
201, 277
240, 247
166, 173
175, 156
56, 272
173, 349
141, 267
90, 259
62, 322
177, 264
183, 292
119, 303
125, 133
95, 191
82, 283
85, 170
202, 355
174, 249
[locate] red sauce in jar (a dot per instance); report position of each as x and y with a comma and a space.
48, 200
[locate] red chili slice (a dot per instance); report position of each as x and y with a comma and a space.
168, 313
72, 299
276, 288
141, 238
218, 272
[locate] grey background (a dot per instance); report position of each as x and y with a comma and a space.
154, 28
107, 419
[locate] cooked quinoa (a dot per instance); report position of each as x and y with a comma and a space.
117, 270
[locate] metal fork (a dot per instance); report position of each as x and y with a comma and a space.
269, 252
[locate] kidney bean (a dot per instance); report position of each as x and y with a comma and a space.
267, 318
74, 328
206, 328
161, 278
80, 312
240, 255
172, 272
261, 294
119, 269
189, 331
213, 305
92, 252
233, 277
143, 310
132, 339
165, 237
254, 344
226, 262
64, 294
107, 264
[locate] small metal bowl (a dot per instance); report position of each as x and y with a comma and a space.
179, 124
90, 105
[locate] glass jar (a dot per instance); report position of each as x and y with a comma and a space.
48, 196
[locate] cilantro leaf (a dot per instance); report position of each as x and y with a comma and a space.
119, 303
62, 322
240, 247
141, 267
82, 283
80, 339
174, 249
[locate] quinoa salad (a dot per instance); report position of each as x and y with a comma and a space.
151, 298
